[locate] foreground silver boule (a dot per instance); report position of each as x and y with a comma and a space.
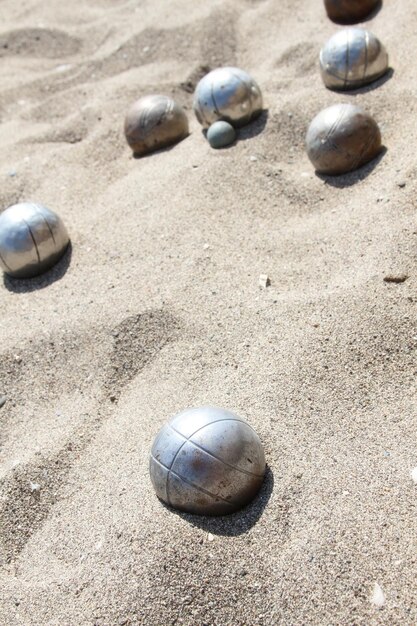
155, 122
207, 461
351, 58
32, 239
227, 93
342, 138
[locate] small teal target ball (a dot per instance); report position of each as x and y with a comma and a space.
221, 134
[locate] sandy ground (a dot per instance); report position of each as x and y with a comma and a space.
159, 308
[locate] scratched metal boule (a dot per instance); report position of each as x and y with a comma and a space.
351, 58
207, 461
227, 93
155, 122
342, 138
32, 239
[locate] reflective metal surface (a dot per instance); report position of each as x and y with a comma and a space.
341, 138
154, 122
349, 11
229, 94
32, 239
351, 58
207, 461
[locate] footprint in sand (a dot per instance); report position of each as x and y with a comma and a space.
38, 42
29, 490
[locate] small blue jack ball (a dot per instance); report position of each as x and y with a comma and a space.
221, 134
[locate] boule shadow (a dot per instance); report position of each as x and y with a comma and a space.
254, 128
376, 84
353, 178
237, 523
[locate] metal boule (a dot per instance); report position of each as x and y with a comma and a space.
32, 239
349, 11
207, 461
155, 122
351, 58
342, 138
221, 134
229, 94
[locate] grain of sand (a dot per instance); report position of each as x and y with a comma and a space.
159, 308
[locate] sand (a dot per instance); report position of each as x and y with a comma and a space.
158, 308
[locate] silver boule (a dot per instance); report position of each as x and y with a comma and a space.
351, 58
32, 239
155, 122
227, 93
207, 461
342, 138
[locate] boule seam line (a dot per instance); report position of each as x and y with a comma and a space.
353, 84
192, 435
33, 239
200, 447
334, 126
216, 108
188, 482
248, 88
46, 222
5, 264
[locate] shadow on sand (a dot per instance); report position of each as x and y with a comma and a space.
352, 178
237, 523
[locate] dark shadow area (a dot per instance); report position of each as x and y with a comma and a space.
237, 523
368, 18
253, 128
27, 285
352, 178
370, 87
